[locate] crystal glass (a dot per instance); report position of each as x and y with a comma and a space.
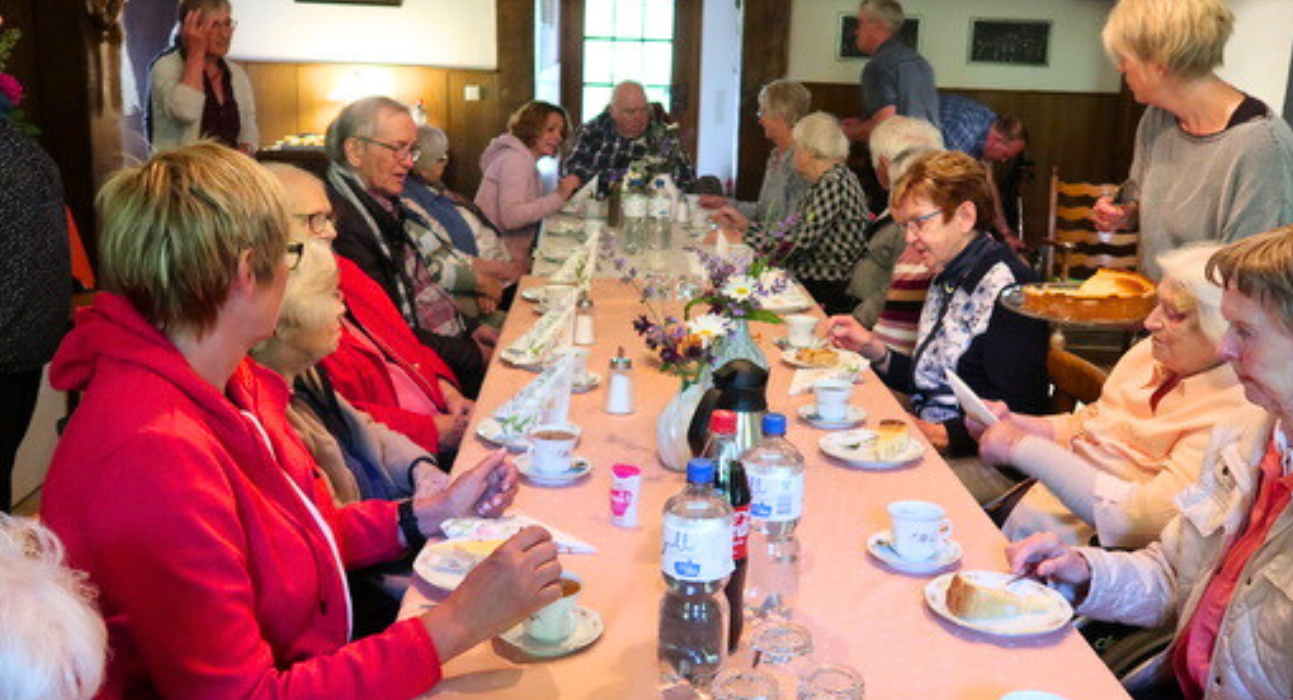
746, 685
784, 651
831, 682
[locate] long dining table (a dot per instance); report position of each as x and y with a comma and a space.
860, 612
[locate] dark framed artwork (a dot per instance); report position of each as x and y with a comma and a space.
847, 48
375, 3
1014, 42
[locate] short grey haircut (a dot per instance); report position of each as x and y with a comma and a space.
888, 12
899, 135
1186, 268
434, 145
54, 642
358, 119
819, 135
786, 100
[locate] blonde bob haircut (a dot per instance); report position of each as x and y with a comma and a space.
1185, 281
174, 228
786, 100
1188, 37
948, 179
1261, 268
819, 135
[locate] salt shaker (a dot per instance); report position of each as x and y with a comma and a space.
619, 389
584, 334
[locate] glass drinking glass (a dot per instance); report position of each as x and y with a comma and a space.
831, 682
783, 650
745, 685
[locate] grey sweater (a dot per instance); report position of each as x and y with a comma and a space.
1221, 187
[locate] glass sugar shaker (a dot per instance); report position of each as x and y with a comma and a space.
619, 388
584, 333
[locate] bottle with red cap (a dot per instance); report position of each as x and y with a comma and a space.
730, 481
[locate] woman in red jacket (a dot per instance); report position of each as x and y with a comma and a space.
180, 488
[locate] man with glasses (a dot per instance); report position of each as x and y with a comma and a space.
371, 147
194, 92
627, 132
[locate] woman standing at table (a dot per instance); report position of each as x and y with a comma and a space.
820, 243
194, 92
180, 489
510, 193
944, 204
1223, 569
1211, 162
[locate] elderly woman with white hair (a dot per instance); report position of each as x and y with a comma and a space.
54, 641
823, 239
1114, 467
1211, 163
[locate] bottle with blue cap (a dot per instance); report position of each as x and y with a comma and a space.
775, 470
696, 561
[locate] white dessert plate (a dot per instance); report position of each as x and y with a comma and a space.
535, 294
446, 563
578, 469
856, 449
586, 383
784, 343
970, 401
847, 360
880, 545
587, 629
521, 360
856, 414
1054, 614
491, 431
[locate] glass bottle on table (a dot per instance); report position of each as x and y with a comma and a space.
775, 469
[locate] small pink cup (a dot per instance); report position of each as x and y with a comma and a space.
626, 485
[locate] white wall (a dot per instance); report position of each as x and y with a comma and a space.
1077, 60
443, 33
720, 88
1257, 57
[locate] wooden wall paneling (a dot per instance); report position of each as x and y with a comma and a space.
572, 57
688, 31
765, 56
274, 86
515, 54
471, 126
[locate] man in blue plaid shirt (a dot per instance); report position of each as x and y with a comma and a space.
624, 133
971, 127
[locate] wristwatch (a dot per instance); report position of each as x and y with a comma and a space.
409, 524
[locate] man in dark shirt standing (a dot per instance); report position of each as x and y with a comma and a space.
896, 79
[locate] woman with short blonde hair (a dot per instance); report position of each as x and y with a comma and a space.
1211, 163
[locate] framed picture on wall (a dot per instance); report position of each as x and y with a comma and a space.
1010, 41
377, 3
847, 49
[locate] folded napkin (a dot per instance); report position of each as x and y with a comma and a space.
546, 399
722, 247
508, 525
547, 334
579, 267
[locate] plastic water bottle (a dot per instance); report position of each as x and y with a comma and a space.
696, 561
775, 469
732, 485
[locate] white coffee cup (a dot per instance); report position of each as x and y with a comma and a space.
554, 622
833, 398
799, 330
552, 446
919, 529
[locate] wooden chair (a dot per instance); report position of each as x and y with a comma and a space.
1073, 380
1072, 238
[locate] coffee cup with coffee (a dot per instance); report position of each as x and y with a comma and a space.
919, 530
799, 330
554, 622
833, 399
552, 446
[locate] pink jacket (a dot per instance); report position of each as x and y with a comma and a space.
215, 578
510, 191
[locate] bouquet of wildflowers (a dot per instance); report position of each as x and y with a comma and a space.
11, 92
737, 288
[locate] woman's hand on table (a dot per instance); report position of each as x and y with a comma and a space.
521, 576
569, 185
936, 433
844, 331
729, 218
486, 490
1044, 556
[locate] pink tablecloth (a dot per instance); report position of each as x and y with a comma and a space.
860, 613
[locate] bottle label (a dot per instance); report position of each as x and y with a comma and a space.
695, 550
776, 498
740, 533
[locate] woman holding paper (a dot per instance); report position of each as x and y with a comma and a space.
510, 191
1114, 468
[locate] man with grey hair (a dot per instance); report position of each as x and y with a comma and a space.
896, 79
371, 147
894, 145
627, 132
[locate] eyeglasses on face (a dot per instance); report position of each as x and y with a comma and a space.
410, 151
227, 25
295, 252
917, 224
319, 221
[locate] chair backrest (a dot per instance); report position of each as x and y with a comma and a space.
1073, 232
1074, 379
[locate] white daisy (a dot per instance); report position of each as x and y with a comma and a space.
739, 287
709, 327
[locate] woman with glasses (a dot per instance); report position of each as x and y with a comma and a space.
194, 92
510, 193
180, 489
944, 203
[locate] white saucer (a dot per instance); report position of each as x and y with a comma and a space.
855, 448
880, 546
490, 431
588, 628
579, 468
808, 412
586, 383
